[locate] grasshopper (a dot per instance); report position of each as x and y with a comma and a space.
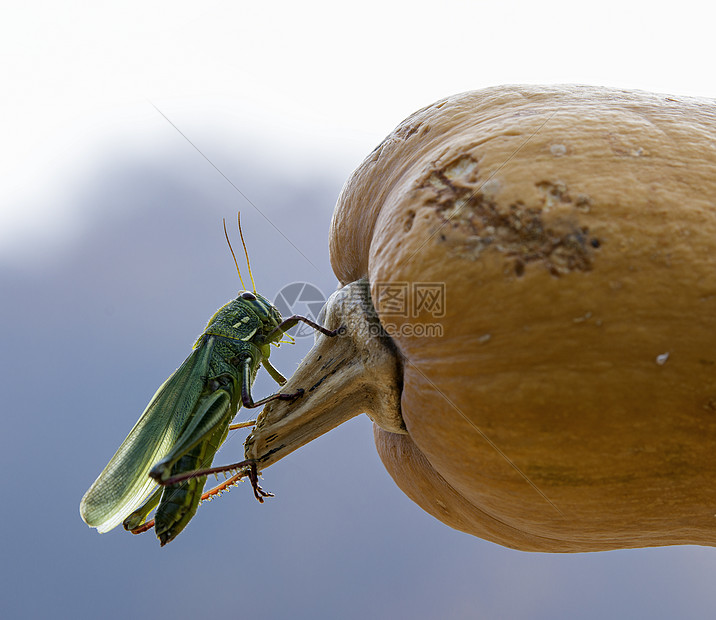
175, 440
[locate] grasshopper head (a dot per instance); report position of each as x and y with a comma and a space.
263, 308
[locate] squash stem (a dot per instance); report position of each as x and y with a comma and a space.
358, 371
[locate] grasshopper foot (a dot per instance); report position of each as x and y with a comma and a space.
297, 394
259, 493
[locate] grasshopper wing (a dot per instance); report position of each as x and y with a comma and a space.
124, 483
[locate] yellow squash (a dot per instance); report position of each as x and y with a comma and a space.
556, 389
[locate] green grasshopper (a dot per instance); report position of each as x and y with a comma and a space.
188, 419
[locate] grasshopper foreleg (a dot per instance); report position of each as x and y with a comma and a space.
246, 398
292, 321
283, 326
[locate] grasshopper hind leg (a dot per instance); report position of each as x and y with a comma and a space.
178, 507
179, 502
246, 468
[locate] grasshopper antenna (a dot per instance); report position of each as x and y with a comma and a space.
246, 252
226, 234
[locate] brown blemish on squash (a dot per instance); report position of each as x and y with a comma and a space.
454, 191
409, 221
554, 192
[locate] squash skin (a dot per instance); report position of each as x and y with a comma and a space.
575, 231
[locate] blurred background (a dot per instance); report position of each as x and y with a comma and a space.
112, 258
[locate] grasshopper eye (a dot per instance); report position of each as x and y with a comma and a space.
248, 295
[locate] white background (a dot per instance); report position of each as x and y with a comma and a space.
313, 78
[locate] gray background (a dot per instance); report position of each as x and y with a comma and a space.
88, 339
